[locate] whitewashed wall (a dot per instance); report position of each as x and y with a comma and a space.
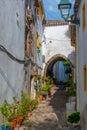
12, 29
57, 42
81, 61
40, 32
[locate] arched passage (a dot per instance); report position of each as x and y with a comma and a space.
53, 60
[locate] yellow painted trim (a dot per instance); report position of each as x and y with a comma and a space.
85, 78
37, 41
40, 11
84, 16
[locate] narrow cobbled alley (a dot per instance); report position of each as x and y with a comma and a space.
51, 113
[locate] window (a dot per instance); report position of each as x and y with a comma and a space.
85, 77
83, 16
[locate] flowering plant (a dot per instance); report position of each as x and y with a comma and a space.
8, 110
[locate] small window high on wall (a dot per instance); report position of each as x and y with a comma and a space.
83, 16
85, 78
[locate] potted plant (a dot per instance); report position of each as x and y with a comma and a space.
13, 124
34, 103
36, 87
72, 93
8, 110
43, 78
23, 107
40, 95
47, 88
74, 118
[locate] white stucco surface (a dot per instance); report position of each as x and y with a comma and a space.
57, 42
81, 63
40, 33
12, 28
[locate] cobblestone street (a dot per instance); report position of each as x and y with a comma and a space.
51, 114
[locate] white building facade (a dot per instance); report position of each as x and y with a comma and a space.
81, 63
12, 26
57, 43
20, 22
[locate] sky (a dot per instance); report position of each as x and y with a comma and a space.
51, 9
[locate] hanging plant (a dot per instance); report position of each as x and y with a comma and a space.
39, 77
38, 51
35, 87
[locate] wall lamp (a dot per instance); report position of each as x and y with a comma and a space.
64, 6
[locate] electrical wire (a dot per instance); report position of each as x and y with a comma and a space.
2, 48
26, 62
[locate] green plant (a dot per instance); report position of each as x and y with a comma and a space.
8, 110
74, 117
7, 124
66, 63
48, 81
34, 103
40, 92
47, 88
18, 108
72, 93
23, 106
69, 83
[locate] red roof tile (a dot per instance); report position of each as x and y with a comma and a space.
55, 22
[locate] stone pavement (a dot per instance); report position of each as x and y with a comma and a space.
50, 114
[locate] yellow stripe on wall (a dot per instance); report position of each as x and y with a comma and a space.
85, 78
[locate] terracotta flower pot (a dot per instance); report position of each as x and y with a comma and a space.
41, 97
20, 120
13, 124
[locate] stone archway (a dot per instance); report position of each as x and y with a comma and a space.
53, 60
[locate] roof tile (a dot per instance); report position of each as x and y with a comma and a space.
55, 22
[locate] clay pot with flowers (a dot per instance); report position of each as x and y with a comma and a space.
20, 120
43, 78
